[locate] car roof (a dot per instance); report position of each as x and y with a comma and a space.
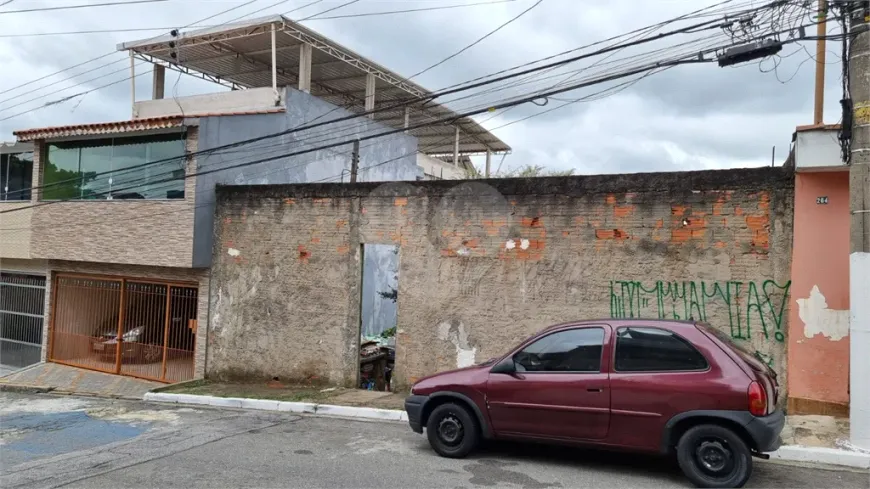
618, 322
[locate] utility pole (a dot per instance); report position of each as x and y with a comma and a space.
859, 205
354, 162
821, 31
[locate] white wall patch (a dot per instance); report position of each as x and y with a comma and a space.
818, 319
465, 353
233, 252
509, 245
524, 244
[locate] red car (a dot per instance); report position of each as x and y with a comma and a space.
653, 386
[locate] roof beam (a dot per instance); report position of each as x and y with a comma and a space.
305, 68
162, 47
187, 71
262, 66
249, 53
295, 77
352, 60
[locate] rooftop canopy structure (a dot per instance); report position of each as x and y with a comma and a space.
276, 51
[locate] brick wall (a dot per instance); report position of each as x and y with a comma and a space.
483, 264
140, 232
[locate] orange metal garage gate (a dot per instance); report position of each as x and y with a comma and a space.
140, 328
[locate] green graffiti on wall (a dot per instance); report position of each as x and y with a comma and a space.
746, 305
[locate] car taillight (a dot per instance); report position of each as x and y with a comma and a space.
757, 399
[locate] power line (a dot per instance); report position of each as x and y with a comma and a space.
466, 48
58, 72
394, 131
110, 53
351, 2
459, 88
311, 126
103, 75
589, 97
68, 7
7, 2
117, 61
424, 9
61, 81
349, 16
70, 97
649, 70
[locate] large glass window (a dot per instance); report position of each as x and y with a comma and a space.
655, 350
16, 176
574, 350
144, 167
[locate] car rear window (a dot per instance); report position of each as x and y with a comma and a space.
724, 338
747, 356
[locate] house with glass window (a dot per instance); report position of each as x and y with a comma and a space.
117, 223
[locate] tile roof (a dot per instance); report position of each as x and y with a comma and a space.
100, 128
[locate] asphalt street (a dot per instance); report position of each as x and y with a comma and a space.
48, 441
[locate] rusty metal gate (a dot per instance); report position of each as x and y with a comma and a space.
140, 328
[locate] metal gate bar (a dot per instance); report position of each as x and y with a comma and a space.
22, 305
124, 326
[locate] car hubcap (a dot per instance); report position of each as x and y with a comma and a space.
714, 457
450, 430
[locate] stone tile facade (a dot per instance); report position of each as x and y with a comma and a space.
142, 232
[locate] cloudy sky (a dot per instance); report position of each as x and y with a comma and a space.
689, 117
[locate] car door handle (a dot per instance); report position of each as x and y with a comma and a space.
593, 389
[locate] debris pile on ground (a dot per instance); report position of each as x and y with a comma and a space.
377, 359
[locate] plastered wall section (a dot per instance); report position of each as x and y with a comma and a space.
196, 277
141, 232
818, 367
484, 264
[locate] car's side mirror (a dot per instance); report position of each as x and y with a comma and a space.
506, 366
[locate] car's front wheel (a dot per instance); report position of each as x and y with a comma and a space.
452, 431
714, 456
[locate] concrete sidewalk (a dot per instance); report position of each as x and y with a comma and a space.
63, 379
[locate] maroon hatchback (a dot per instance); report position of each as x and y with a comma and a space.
654, 386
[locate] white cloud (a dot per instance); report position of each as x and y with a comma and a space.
686, 118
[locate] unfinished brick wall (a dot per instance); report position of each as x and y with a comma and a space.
486, 263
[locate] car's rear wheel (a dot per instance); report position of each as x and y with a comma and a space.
714, 456
452, 431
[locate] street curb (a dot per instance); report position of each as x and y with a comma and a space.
25, 388
44, 389
829, 456
790, 453
290, 407
186, 383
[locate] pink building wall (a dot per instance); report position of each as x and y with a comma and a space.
818, 341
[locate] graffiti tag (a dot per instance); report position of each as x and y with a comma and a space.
745, 304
